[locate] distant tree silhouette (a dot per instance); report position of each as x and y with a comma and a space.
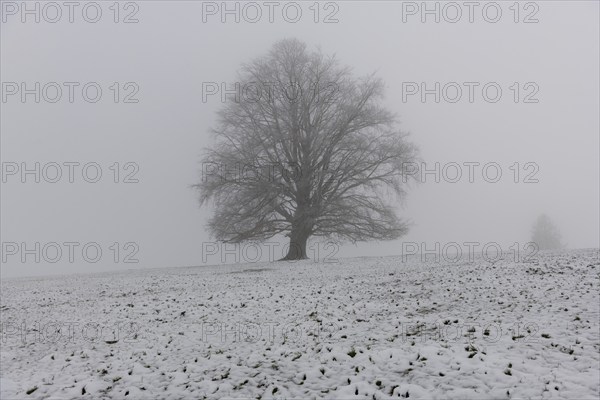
545, 234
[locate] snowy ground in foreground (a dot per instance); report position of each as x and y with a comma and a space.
363, 328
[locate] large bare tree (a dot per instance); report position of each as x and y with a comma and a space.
306, 149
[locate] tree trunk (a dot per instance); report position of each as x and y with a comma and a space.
298, 240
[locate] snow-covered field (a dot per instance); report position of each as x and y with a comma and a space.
367, 328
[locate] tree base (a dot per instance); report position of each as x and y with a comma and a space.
293, 258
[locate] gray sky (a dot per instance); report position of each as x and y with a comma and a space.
170, 52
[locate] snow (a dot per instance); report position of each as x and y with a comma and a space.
369, 328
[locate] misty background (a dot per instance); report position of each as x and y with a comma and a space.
170, 52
